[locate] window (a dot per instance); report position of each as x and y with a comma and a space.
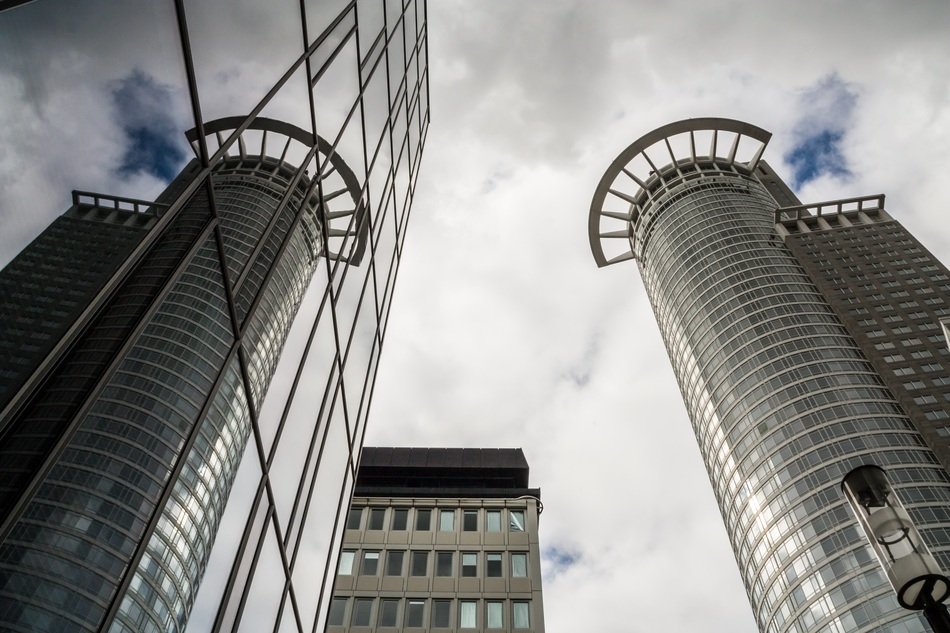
493, 519
362, 610
354, 518
423, 519
420, 563
467, 610
519, 565
470, 521
337, 612
493, 565
415, 613
928, 399
388, 612
377, 518
441, 613
469, 564
494, 612
400, 518
345, 568
516, 520
394, 562
446, 520
519, 615
443, 563
370, 563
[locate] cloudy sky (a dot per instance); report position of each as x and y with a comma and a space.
503, 331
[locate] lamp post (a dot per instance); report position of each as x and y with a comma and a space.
913, 572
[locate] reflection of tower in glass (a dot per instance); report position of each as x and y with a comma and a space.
784, 391
138, 472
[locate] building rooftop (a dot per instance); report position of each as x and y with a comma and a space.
443, 472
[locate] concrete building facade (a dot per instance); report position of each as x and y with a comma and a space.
440, 540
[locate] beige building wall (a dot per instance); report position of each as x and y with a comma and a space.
500, 595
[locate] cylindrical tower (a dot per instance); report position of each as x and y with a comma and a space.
782, 401
116, 529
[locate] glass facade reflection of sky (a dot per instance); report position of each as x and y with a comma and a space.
782, 400
149, 484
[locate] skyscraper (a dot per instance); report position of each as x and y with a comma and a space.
144, 475
765, 307
440, 538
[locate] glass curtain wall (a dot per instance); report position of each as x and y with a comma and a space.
315, 111
782, 401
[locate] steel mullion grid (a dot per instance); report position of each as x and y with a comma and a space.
336, 359
350, 440
238, 329
370, 275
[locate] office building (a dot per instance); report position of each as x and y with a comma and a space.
800, 336
146, 482
440, 540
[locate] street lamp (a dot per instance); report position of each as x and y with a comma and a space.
913, 572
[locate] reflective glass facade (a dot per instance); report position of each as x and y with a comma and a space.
782, 399
180, 458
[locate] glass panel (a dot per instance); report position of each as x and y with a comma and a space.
267, 586
129, 93
336, 101
400, 518
317, 541
495, 611
240, 49
370, 563
394, 562
306, 425
362, 611
441, 613
388, 612
321, 13
423, 519
226, 544
469, 564
420, 563
345, 567
444, 563
467, 614
519, 565
287, 459
516, 520
377, 518
519, 616
470, 521
337, 614
493, 519
354, 519
493, 565
446, 520
415, 613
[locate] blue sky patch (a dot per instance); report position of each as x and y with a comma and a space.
154, 142
559, 559
815, 155
827, 111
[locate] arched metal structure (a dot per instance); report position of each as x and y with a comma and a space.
633, 177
